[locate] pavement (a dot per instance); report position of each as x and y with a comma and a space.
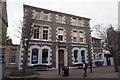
97, 72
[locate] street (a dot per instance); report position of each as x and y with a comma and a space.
98, 72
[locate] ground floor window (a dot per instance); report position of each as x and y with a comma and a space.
34, 56
75, 55
2, 54
45, 56
100, 56
94, 56
82, 55
12, 56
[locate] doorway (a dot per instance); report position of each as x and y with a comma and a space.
108, 60
61, 54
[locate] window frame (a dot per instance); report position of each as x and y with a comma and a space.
37, 15
13, 54
45, 28
45, 56
35, 55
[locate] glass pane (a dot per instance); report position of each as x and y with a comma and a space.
45, 56
2, 54
76, 55
82, 55
34, 56
12, 55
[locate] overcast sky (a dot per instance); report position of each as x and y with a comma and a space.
99, 11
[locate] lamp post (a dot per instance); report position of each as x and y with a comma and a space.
59, 56
90, 60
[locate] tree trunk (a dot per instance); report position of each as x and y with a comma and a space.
115, 63
25, 60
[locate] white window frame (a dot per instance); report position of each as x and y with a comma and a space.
75, 34
46, 16
73, 21
36, 33
45, 28
83, 36
11, 55
37, 15
60, 19
61, 32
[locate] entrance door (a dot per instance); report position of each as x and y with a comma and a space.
108, 61
61, 57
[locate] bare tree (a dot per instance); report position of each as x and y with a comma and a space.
26, 32
112, 44
110, 38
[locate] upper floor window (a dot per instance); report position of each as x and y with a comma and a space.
13, 56
45, 33
46, 16
60, 19
36, 33
77, 22
37, 15
75, 38
82, 23
73, 21
81, 36
60, 34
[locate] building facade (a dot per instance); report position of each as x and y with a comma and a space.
55, 35
100, 54
3, 22
10, 55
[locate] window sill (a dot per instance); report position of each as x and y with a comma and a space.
35, 39
13, 63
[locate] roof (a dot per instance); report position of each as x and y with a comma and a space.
96, 38
55, 11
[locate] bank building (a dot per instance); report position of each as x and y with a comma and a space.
55, 35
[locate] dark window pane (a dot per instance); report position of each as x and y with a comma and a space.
34, 56
13, 55
76, 55
45, 56
82, 55
2, 54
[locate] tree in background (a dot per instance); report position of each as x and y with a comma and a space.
25, 32
8, 41
110, 38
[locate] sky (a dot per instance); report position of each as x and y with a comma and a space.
99, 11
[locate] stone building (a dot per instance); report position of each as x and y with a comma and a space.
3, 22
55, 35
10, 55
100, 54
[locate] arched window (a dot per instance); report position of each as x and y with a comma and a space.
82, 55
34, 56
75, 55
45, 56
